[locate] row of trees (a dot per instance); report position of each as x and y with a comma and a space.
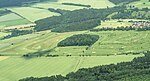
62, 12
76, 20
79, 40
122, 1
15, 33
82, 5
121, 29
10, 3
120, 72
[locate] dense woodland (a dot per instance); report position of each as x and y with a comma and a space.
15, 33
76, 20
79, 40
125, 71
122, 1
10, 3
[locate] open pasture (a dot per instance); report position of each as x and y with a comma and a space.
15, 68
33, 14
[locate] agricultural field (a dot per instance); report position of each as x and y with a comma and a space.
15, 68
110, 43
141, 4
33, 14
12, 19
59, 5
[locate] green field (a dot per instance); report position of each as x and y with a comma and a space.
12, 20
59, 5
14, 68
141, 4
33, 14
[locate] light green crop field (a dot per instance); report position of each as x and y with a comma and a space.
12, 20
141, 4
59, 5
15, 68
33, 14
10, 16
32, 42
13, 23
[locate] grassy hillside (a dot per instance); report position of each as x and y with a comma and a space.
15, 68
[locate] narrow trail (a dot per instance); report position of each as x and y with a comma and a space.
78, 64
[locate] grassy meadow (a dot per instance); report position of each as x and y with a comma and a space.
15, 68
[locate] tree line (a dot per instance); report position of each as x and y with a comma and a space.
73, 4
76, 20
15, 33
126, 28
140, 66
79, 40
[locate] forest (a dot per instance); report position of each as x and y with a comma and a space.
122, 1
139, 67
76, 20
79, 40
